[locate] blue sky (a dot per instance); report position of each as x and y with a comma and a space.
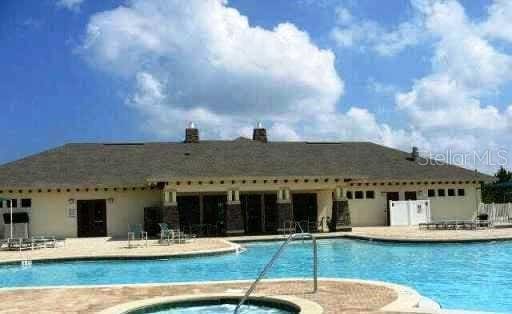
431, 73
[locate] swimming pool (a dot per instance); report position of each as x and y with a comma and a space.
475, 276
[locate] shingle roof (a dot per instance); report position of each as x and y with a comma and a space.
135, 164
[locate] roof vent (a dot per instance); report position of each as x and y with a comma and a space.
191, 133
259, 133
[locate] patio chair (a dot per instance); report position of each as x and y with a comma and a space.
166, 233
135, 231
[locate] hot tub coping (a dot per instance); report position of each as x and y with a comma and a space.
305, 306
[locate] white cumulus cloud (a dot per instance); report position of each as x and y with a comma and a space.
202, 61
366, 35
73, 5
465, 67
207, 58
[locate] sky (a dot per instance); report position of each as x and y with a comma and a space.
428, 73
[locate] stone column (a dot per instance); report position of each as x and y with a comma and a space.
340, 220
233, 219
170, 214
284, 208
284, 214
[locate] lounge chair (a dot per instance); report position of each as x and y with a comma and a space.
22, 244
45, 241
135, 232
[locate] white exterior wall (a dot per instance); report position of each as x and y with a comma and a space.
367, 212
49, 211
458, 207
372, 212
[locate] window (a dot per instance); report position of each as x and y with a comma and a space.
349, 195
461, 192
370, 194
431, 193
1, 204
359, 195
451, 192
441, 192
410, 196
14, 203
26, 202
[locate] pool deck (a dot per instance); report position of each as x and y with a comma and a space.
335, 296
414, 234
401, 234
108, 248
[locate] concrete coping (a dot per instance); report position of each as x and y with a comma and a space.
304, 306
231, 248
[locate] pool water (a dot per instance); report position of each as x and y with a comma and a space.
213, 307
219, 309
475, 276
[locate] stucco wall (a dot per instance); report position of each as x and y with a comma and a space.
49, 211
372, 212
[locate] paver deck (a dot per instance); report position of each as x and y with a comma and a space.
335, 297
110, 248
406, 233
107, 247
413, 233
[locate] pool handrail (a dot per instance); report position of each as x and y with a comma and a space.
267, 267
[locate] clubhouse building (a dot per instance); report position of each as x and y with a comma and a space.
240, 186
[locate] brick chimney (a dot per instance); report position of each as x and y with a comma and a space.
259, 133
414, 154
191, 134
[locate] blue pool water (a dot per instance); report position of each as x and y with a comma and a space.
214, 307
474, 276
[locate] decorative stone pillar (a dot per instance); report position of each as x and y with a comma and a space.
340, 220
284, 214
233, 219
284, 209
170, 214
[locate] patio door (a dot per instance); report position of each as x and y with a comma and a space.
252, 212
214, 212
305, 210
91, 218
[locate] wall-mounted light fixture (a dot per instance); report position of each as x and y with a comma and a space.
71, 201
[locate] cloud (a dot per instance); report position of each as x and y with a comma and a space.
72, 5
206, 55
498, 23
202, 61
366, 35
448, 105
465, 67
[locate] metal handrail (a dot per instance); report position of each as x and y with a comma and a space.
291, 225
272, 261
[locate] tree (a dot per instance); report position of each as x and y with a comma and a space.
503, 175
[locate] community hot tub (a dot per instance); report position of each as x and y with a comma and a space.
217, 304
